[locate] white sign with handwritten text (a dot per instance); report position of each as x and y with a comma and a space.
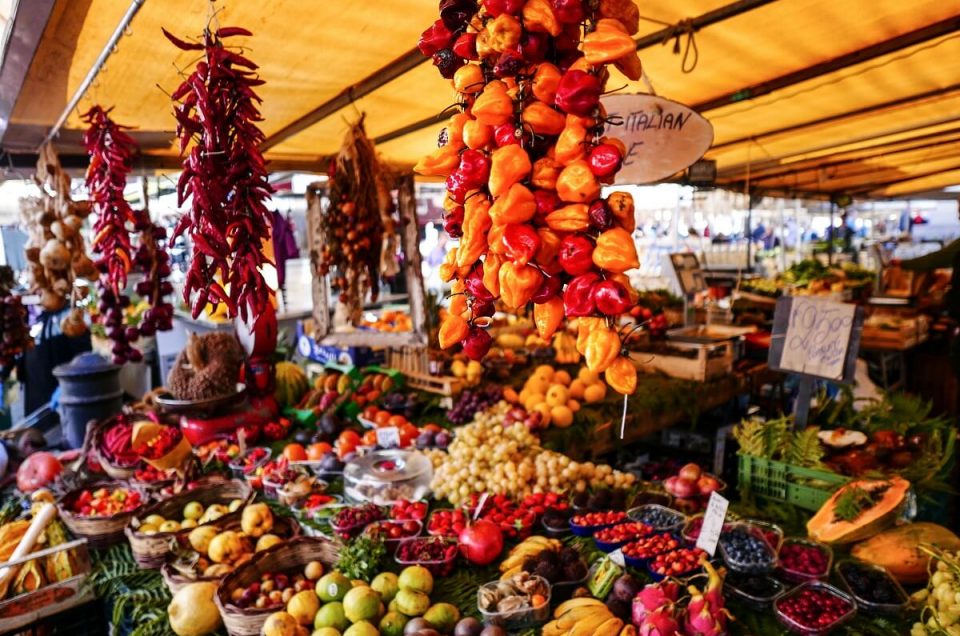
662, 137
818, 337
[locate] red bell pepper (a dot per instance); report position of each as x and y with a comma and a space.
576, 254
578, 93
436, 38
578, 296
604, 160
521, 242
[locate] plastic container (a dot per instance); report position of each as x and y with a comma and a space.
865, 605
237, 465
385, 476
394, 541
350, 530
635, 529
758, 598
89, 390
804, 630
764, 567
516, 620
452, 533
771, 532
640, 562
555, 531
438, 567
657, 577
795, 576
805, 488
660, 518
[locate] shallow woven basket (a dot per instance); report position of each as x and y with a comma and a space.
287, 556
150, 551
285, 527
114, 470
100, 532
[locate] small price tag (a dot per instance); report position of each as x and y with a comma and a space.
617, 557
713, 520
388, 437
480, 505
446, 403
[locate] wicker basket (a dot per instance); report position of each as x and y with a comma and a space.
150, 551
96, 433
285, 527
100, 532
291, 555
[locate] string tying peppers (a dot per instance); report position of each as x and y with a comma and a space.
225, 174
524, 162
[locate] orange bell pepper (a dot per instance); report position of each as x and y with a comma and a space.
630, 66
602, 348
621, 375
543, 119
570, 144
609, 41
453, 329
439, 163
516, 206
585, 326
548, 316
491, 273
477, 135
518, 284
503, 32
476, 222
455, 128
621, 206
493, 106
624, 280
458, 304
448, 269
549, 247
468, 79
615, 251
484, 45
509, 164
624, 11
538, 16
577, 183
572, 218
545, 82
495, 239
545, 173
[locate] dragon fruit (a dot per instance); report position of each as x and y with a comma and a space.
660, 622
653, 597
705, 615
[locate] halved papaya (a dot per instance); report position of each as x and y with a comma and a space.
858, 510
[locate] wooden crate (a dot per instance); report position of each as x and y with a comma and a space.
910, 334
701, 368
414, 364
25, 609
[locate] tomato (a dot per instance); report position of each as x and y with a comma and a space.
431, 428
294, 452
370, 438
345, 448
373, 395
349, 437
397, 420
370, 412
381, 418
318, 450
38, 470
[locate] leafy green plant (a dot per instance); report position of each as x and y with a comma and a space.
139, 597
363, 557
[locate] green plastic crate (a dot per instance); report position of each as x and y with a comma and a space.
805, 488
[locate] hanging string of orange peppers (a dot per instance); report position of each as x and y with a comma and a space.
524, 162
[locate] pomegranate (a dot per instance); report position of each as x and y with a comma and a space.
481, 542
691, 472
38, 470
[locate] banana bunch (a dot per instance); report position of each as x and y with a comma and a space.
529, 547
586, 616
565, 348
10, 535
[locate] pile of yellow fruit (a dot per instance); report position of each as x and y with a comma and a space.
223, 550
192, 515
470, 371
490, 456
555, 395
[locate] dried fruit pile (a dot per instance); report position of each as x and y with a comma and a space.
111, 153
524, 163
358, 227
15, 339
228, 222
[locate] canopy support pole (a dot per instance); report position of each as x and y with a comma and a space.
95, 70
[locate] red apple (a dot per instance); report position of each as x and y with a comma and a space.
684, 488
691, 472
707, 484
481, 542
38, 470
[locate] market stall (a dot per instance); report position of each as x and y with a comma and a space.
544, 448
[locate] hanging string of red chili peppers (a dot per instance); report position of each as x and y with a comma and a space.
225, 176
353, 224
524, 163
15, 337
111, 153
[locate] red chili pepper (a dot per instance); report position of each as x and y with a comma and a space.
548, 289
578, 296
576, 254
474, 168
498, 7
578, 93
436, 38
465, 46
604, 160
521, 242
505, 134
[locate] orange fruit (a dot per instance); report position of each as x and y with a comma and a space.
370, 438
345, 449
381, 418
432, 428
348, 437
318, 450
396, 420
294, 452
370, 412
373, 395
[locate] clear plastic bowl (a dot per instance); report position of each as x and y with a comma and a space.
350, 530
641, 513
385, 476
796, 576
755, 601
807, 630
239, 471
452, 533
437, 567
518, 619
736, 565
771, 532
372, 527
657, 577
868, 606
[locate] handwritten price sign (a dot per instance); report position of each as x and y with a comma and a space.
816, 337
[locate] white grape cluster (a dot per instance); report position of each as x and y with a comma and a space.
940, 599
487, 456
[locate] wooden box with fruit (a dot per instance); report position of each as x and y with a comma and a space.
150, 532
